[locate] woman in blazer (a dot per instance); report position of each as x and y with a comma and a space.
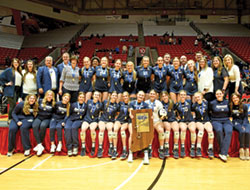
11, 80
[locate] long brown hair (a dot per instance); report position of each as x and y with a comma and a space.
19, 68
109, 98
177, 58
44, 101
120, 67
27, 71
170, 101
195, 70
220, 65
205, 60
231, 104
68, 104
26, 106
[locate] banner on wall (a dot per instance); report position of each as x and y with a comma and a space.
142, 51
228, 18
113, 17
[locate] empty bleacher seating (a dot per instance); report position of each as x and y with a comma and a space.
7, 52
29, 53
108, 42
239, 46
186, 48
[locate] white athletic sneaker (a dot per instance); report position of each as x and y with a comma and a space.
36, 148
223, 157
53, 148
130, 157
75, 151
242, 154
69, 152
59, 147
9, 154
247, 154
145, 159
27, 152
40, 150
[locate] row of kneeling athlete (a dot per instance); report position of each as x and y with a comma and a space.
186, 114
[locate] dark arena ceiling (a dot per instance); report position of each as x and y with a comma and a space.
194, 7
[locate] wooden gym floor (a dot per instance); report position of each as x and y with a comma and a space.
62, 172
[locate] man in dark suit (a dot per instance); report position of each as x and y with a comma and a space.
47, 77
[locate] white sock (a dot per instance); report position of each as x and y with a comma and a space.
166, 145
83, 144
198, 145
210, 146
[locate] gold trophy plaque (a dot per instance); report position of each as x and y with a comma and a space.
143, 130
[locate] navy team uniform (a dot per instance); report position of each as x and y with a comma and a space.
109, 111
123, 116
241, 124
86, 79
191, 84
93, 110
59, 116
170, 113
160, 78
220, 121
176, 77
138, 106
101, 83
42, 120
19, 115
74, 121
115, 81
144, 78
201, 112
184, 111
128, 82
219, 79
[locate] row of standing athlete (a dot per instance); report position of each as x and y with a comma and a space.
191, 77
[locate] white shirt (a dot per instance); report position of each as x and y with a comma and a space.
18, 79
155, 106
234, 75
29, 84
53, 78
205, 81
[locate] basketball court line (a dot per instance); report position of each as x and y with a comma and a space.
159, 175
62, 169
130, 177
40, 163
9, 168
